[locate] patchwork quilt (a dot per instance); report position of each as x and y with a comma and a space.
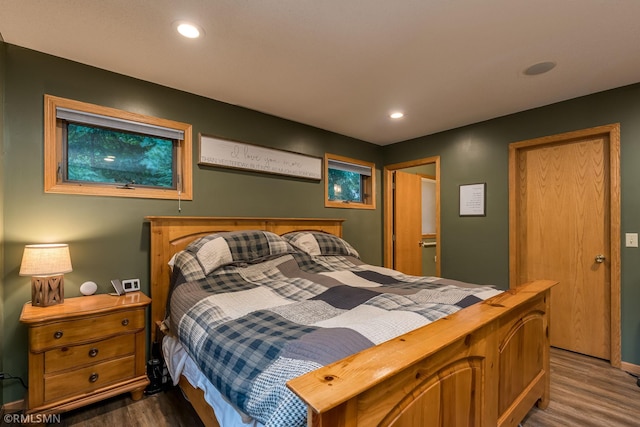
254, 310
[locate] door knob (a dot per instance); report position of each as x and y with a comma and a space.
600, 258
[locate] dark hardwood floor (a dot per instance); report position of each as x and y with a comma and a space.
166, 409
587, 392
584, 392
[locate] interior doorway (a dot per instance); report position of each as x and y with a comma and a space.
564, 222
394, 209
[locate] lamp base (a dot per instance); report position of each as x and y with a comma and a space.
47, 290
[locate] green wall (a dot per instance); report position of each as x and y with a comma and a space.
476, 248
107, 236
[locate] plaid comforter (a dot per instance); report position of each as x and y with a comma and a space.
252, 326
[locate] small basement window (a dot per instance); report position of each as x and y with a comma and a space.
350, 183
103, 151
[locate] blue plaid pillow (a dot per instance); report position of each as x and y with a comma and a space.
237, 247
319, 243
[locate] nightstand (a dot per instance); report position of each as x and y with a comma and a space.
84, 350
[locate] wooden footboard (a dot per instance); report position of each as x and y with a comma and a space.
486, 365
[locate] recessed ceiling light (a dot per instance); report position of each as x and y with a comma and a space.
189, 30
539, 68
396, 115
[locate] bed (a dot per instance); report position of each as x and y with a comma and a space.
484, 365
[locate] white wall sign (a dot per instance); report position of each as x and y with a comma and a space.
239, 155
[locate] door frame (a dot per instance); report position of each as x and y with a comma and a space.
612, 131
388, 206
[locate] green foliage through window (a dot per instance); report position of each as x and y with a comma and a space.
344, 185
100, 155
350, 183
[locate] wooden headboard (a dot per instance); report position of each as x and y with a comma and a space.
170, 234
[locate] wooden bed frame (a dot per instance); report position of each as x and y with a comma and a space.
485, 365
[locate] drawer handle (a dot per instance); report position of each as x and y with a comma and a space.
93, 378
57, 335
125, 322
93, 352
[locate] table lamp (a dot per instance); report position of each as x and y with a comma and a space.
46, 264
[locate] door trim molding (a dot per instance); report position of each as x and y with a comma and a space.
388, 207
613, 133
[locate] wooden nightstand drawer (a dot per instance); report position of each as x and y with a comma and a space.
85, 350
69, 357
80, 330
88, 379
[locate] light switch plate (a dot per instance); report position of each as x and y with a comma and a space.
131, 285
631, 240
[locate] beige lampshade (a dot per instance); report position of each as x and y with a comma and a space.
45, 260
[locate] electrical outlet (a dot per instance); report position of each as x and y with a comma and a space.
631, 240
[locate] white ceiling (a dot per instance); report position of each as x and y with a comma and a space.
344, 65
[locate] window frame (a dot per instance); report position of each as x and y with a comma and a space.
368, 185
54, 152
436, 207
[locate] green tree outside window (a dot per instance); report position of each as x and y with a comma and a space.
102, 155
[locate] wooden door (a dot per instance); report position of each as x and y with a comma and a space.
407, 223
389, 208
561, 198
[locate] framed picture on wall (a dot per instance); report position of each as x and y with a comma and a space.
473, 199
